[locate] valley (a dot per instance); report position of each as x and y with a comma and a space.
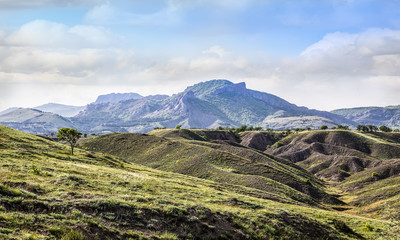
198, 183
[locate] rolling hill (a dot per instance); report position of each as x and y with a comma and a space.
365, 167
35, 121
46, 193
60, 109
219, 160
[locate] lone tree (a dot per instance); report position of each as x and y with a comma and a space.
69, 135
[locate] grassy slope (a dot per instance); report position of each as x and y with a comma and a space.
47, 194
365, 167
222, 161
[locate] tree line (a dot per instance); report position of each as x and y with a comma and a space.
244, 128
373, 128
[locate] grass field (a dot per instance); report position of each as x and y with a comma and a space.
45, 193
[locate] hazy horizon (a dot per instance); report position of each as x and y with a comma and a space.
320, 54
95, 97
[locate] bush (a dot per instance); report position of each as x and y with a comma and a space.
369, 227
323, 127
375, 175
74, 235
372, 128
343, 127
178, 126
278, 145
241, 128
35, 170
385, 129
362, 128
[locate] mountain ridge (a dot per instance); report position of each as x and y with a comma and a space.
117, 97
388, 116
60, 109
207, 104
35, 121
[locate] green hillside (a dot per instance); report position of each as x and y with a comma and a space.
223, 161
364, 167
45, 193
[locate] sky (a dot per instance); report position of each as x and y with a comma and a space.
322, 54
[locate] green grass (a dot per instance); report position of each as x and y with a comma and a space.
363, 167
282, 180
96, 196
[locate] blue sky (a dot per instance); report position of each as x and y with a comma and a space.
320, 54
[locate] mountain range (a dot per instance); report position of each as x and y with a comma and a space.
60, 109
204, 105
388, 116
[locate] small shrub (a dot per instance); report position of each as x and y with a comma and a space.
375, 175
74, 235
7, 191
165, 236
57, 232
35, 170
369, 227
278, 145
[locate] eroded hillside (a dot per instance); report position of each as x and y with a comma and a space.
45, 193
365, 167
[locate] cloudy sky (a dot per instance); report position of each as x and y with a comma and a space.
323, 54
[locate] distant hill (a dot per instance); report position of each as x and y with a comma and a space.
209, 105
116, 97
34, 121
8, 110
60, 109
387, 116
205, 105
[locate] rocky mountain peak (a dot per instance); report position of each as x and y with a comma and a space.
116, 97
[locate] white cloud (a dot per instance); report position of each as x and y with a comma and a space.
46, 56
373, 52
43, 47
52, 34
216, 50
